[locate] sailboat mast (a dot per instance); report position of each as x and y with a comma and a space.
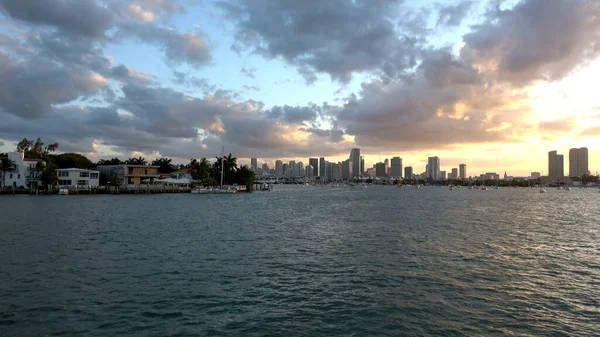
222, 163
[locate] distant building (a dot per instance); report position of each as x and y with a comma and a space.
355, 160
309, 172
443, 175
381, 170
24, 173
300, 169
292, 168
79, 178
254, 163
322, 168
433, 168
371, 173
265, 168
408, 172
347, 167
454, 174
556, 165
286, 171
362, 165
535, 175
462, 171
131, 174
396, 167
578, 162
336, 173
314, 162
279, 169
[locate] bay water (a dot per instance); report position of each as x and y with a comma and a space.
314, 261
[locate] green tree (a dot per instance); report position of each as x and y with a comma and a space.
72, 160
246, 177
136, 161
114, 161
164, 164
6, 165
36, 149
49, 177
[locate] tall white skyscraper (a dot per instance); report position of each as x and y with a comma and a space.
300, 169
292, 168
433, 168
355, 159
578, 162
462, 171
556, 165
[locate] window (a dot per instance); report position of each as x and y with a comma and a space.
63, 173
64, 182
11, 176
146, 172
84, 175
93, 175
19, 176
82, 182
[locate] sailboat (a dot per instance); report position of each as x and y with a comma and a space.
218, 190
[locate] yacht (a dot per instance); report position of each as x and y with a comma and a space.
542, 190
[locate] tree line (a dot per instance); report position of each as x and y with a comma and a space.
202, 169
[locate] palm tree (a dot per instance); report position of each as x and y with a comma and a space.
136, 161
6, 165
230, 166
164, 164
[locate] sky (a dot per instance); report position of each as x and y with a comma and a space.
492, 84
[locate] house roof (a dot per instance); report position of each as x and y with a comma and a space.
77, 170
183, 170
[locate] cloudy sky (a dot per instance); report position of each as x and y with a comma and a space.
494, 84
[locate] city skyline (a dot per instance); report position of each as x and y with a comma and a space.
466, 81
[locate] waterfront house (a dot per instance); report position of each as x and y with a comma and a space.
24, 174
78, 178
130, 174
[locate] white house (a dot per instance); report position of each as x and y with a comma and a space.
24, 174
80, 178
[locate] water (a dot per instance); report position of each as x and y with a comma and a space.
302, 262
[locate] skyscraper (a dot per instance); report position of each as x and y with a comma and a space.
314, 162
355, 159
292, 168
380, 170
254, 163
279, 169
322, 168
309, 172
454, 174
408, 172
300, 169
396, 167
433, 168
362, 165
556, 165
347, 166
578, 162
462, 171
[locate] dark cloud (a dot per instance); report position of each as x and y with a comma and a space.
189, 47
334, 135
334, 37
77, 17
297, 114
452, 15
536, 40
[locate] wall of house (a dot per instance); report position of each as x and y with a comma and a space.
24, 173
85, 178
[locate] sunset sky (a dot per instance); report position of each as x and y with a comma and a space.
493, 84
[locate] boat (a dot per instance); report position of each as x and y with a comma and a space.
542, 190
220, 189
63, 191
483, 188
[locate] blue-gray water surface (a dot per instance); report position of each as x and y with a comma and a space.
315, 261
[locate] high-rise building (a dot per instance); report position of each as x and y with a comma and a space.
362, 165
347, 166
433, 168
300, 169
462, 171
309, 172
578, 162
535, 175
408, 172
380, 170
355, 159
396, 167
254, 163
314, 162
286, 170
454, 174
322, 168
265, 168
556, 165
292, 168
279, 169
443, 175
